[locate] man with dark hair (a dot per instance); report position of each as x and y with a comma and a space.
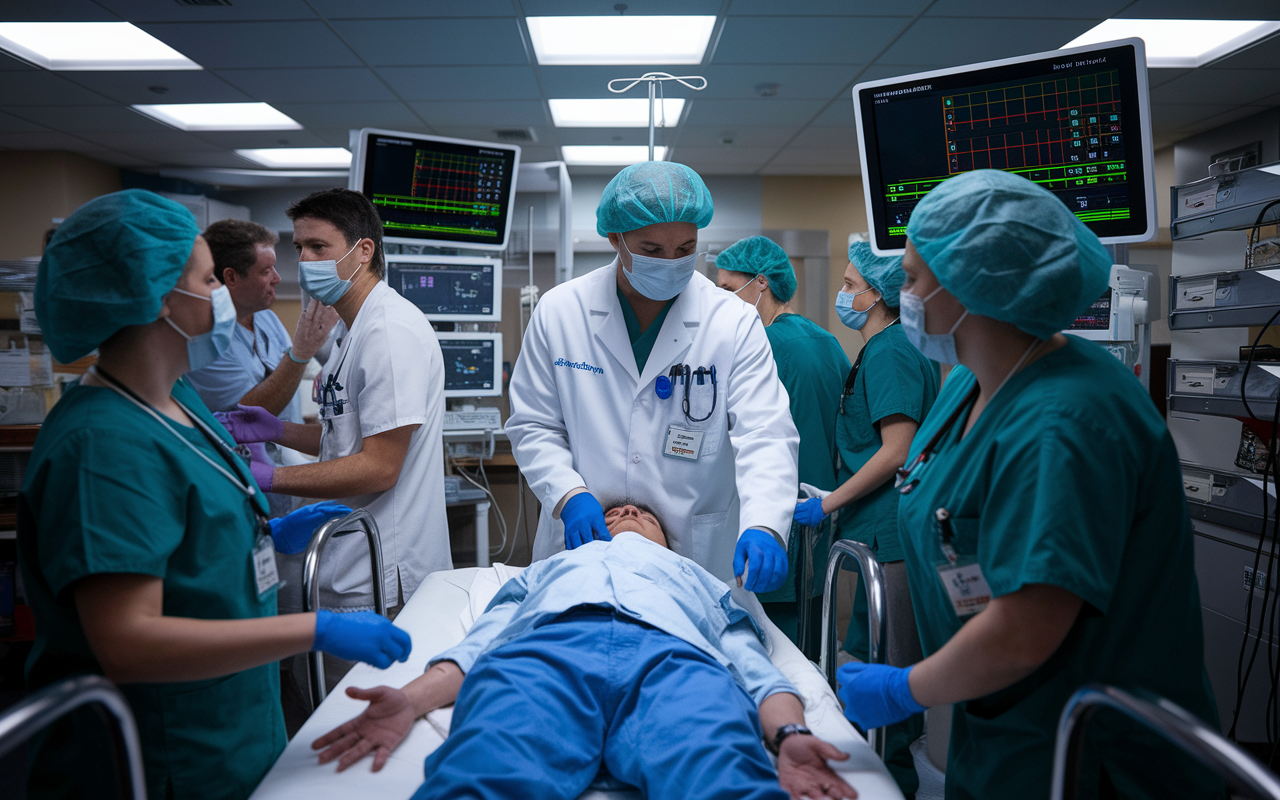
381, 398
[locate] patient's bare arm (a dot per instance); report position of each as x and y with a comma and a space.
391, 713
802, 759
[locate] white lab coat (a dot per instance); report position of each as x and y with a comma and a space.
581, 415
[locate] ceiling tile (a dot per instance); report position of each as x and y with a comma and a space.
566, 8
724, 155
966, 41
1197, 9
742, 135
805, 40
381, 9
117, 159
352, 115
462, 83
44, 140
1180, 116
312, 85
613, 136
181, 86
11, 124
832, 8
1159, 77
173, 158
837, 115
502, 115
76, 119
1218, 86
332, 136
791, 82
59, 11
232, 140
820, 138
9, 63
1265, 55
538, 152
593, 81
145, 141
246, 45
429, 42
1096, 10
152, 11
761, 111
40, 88
547, 136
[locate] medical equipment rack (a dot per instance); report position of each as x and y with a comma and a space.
1229, 201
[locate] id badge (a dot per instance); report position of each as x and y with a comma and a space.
965, 584
264, 565
683, 443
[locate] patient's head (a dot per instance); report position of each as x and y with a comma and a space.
619, 517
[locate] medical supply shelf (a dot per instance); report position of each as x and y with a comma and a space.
1230, 499
1226, 202
1213, 387
1224, 299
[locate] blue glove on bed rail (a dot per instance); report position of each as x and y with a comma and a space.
361, 636
292, 532
875, 695
759, 555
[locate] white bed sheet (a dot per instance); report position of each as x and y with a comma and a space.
437, 617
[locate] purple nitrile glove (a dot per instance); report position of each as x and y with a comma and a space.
875, 695
809, 512
261, 467
249, 424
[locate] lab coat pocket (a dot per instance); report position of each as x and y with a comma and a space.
704, 531
340, 435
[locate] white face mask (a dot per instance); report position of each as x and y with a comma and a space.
940, 347
659, 278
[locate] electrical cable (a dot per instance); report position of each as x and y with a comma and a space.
502, 523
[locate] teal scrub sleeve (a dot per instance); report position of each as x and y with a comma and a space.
1059, 509
894, 385
105, 509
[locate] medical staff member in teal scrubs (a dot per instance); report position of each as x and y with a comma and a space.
812, 365
885, 398
1042, 516
142, 537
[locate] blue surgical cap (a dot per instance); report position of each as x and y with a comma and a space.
1007, 248
108, 266
760, 255
884, 273
652, 192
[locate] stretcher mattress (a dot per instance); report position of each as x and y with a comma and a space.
437, 617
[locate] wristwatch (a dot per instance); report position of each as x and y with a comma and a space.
786, 730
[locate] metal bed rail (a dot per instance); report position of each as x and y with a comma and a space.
877, 614
42, 708
1244, 774
338, 526
809, 536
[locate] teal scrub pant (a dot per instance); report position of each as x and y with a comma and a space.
540, 715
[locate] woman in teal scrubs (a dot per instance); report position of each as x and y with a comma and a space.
812, 366
1042, 516
143, 538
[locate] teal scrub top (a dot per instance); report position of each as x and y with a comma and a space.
1069, 478
642, 343
893, 378
109, 490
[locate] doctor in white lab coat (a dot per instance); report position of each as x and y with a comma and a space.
598, 395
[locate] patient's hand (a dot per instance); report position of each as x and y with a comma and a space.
803, 770
381, 727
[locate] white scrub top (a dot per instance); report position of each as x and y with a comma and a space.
391, 374
583, 415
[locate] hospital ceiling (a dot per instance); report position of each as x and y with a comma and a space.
779, 73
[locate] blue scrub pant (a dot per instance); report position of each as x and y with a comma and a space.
538, 717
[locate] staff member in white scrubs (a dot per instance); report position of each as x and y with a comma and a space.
381, 398
644, 381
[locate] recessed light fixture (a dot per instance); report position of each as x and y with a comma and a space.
614, 112
220, 117
299, 157
620, 39
86, 46
607, 155
1181, 42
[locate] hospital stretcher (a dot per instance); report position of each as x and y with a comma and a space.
437, 617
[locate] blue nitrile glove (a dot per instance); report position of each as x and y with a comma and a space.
583, 520
361, 636
875, 695
760, 556
809, 512
292, 532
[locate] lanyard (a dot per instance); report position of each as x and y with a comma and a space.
857, 365
124, 391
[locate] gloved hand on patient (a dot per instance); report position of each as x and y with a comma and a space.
583, 520
762, 558
292, 532
361, 636
249, 424
875, 695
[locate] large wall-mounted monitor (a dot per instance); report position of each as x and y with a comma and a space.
472, 364
449, 288
437, 191
1076, 121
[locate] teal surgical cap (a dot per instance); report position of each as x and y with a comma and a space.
759, 255
652, 192
108, 266
1008, 249
884, 273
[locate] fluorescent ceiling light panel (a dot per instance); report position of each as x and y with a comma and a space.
300, 157
1181, 42
614, 112
620, 40
220, 117
87, 46
595, 155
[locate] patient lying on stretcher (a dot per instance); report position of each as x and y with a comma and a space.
619, 654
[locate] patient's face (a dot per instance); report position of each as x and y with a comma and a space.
629, 518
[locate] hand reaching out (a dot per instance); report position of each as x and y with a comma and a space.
313, 329
803, 770
379, 729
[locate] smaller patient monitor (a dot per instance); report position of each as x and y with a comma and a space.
449, 288
472, 364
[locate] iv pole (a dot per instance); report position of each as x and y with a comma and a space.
654, 78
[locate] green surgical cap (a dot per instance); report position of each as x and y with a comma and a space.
108, 266
884, 273
1008, 249
652, 192
759, 255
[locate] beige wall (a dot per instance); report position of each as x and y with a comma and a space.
43, 184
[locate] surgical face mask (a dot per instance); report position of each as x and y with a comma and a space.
320, 278
850, 316
940, 347
749, 283
206, 348
659, 278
